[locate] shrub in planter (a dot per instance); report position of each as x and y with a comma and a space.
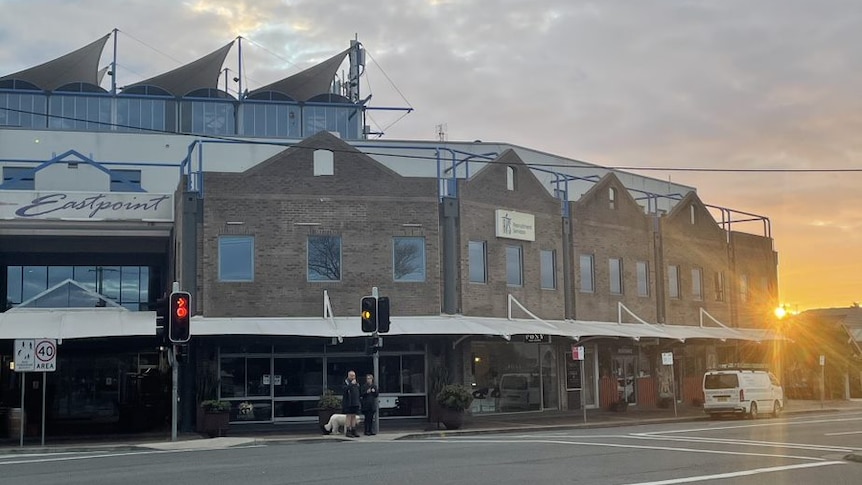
328, 404
216, 417
665, 402
453, 400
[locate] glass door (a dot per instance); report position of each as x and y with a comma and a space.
297, 384
258, 406
624, 371
550, 382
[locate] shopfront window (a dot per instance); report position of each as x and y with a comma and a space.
125, 285
507, 377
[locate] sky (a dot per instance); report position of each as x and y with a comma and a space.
731, 84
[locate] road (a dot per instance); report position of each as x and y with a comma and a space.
795, 450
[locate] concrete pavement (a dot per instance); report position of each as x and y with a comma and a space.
408, 429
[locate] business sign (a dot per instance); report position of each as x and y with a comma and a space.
667, 358
515, 225
537, 338
25, 355
95, 206
577, 352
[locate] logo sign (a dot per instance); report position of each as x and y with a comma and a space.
537, 338
577, 352
125, 206
515, 225
25, 355
46, 355
667, 358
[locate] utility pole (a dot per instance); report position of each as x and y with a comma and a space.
376, 365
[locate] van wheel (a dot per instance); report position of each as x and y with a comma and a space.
752, 413
776, 409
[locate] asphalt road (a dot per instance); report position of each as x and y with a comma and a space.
799, 450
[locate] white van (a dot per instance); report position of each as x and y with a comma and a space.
747, 392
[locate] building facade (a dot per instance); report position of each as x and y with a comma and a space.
495, 265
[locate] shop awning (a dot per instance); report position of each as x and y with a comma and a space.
75, 323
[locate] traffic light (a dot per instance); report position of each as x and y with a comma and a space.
368, 311
179, 330
161, 308
383, 314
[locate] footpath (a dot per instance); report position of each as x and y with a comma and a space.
402, 429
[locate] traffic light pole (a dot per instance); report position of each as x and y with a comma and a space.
172, 357
376, 362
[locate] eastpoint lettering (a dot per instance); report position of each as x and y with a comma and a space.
94, 204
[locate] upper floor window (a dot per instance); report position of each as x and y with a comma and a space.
673, 281
612, 197
511, 182
615, 268
697, 283
743, 288
719, 286
514, 266
587, 273
408, 259
477, 261
548, 269
692, 213
126, 181
324, 258
643, 278
19, 178
236, 258
324, 163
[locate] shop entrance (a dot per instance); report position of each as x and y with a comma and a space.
624, 371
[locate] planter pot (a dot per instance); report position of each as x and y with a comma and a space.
620, 406
215, 423
451, 419
323, 416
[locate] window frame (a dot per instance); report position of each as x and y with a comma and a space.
673, 286
484, 262
23, 179
697, 283
719, 286
619, 273
592, 273
421, 241
520, 254
543, 268
308, 240
244, 237
126, 179
645, 280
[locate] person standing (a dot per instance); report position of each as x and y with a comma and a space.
350, 404
369, 403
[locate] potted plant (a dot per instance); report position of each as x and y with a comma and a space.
328, 404
453, 400
216, 416
438, 379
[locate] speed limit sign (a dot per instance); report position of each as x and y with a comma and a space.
46, 355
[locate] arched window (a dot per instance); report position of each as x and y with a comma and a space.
612, 198
511, 183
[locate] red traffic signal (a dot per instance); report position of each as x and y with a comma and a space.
179, 328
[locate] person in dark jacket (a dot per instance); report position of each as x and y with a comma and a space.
350, 404
369, 403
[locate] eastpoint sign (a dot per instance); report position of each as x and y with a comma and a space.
96, 206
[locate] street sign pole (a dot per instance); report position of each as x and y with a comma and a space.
822, 379
375, 358
44, 381
583, 392
673, 389
23, 386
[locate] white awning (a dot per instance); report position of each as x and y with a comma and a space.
75, 323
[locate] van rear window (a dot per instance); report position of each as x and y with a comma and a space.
720, 381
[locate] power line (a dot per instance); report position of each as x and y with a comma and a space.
588, 166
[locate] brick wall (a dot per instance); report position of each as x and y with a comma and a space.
754, 257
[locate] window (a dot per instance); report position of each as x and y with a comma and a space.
510, 178
587, 273
615, 267
692, 212
478, 268
126, 181
673, 281
236, 258
323, 163
743, 288
612, 197
324, 258
697, 283
408, 259
643, 278
719, 286
19, 178
548, 269
514, 268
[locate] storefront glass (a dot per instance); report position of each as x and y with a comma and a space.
513, 377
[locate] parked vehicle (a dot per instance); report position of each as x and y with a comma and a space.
746, 392
519, 392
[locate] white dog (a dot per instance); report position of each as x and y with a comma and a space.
336, 423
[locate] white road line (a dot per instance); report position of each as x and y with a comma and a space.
55, 458
615, 445
725, 441
842, 434
742, 473
741, 426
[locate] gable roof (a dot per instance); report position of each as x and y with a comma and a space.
79, 66
304, 85
200, 74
